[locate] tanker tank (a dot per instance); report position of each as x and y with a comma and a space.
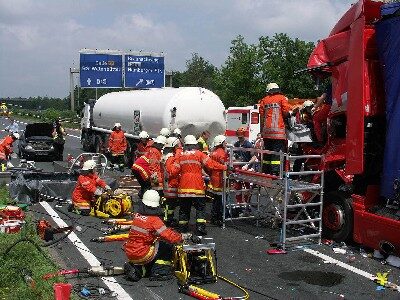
191, 109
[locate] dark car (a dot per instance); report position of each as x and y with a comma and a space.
37, 142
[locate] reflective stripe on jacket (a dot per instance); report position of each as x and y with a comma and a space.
84, 189
272, 109
171, 179
117, 142
154, 155
216, 176
142, 246
142, 166
6, 147
189, 165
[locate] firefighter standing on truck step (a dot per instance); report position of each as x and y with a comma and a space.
88, 186
117, 146
149, 247
172, 149
191, 187
274, 108
6, 149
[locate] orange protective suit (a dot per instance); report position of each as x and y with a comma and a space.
83, 193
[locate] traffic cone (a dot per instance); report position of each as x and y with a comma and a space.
62, 291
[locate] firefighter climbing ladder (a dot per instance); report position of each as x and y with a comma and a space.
292, 198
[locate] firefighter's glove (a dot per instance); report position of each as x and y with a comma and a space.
107, 188
196, 239
186, 236
98, 192
154, 178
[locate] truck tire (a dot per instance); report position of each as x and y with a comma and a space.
337, 217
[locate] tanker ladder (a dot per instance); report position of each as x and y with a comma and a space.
292, 199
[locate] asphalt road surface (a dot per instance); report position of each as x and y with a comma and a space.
312, 272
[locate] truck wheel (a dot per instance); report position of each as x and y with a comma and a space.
337, 217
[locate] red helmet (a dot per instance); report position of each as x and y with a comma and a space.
241, 132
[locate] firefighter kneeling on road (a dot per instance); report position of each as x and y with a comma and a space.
88, 186
150, 243
117, 146
6, 149
191, 188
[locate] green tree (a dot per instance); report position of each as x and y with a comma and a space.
281, 57
238, 82
199, 72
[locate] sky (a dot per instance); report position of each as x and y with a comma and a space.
40, 39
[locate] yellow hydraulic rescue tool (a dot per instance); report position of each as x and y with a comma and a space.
109, 205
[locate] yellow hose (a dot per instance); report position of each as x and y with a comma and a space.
246, 294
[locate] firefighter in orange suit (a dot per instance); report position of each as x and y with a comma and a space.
6, 149
172, 149
147, 168
274, 108
149, 247
144, 144
117, 146
216, 179
191, 187
87, 187
154, 155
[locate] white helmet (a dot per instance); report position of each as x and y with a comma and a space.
272, 86
143, 135
117, 125
89, 165
177, 131
219, 140
308, 103
15, 135
165, 132
171, 142
151, 198
190, 140
160, 140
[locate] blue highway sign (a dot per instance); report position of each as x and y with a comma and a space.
144, 71
100, 70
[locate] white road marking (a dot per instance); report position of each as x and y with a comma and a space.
331, 260
75, 136
87, 254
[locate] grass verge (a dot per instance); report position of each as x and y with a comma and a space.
25, 258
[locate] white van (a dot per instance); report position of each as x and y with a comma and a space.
247, 117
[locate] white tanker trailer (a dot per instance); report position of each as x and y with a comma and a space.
191, 109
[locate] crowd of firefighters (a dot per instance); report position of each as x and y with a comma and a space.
179, 171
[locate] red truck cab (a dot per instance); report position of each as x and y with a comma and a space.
354, 207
